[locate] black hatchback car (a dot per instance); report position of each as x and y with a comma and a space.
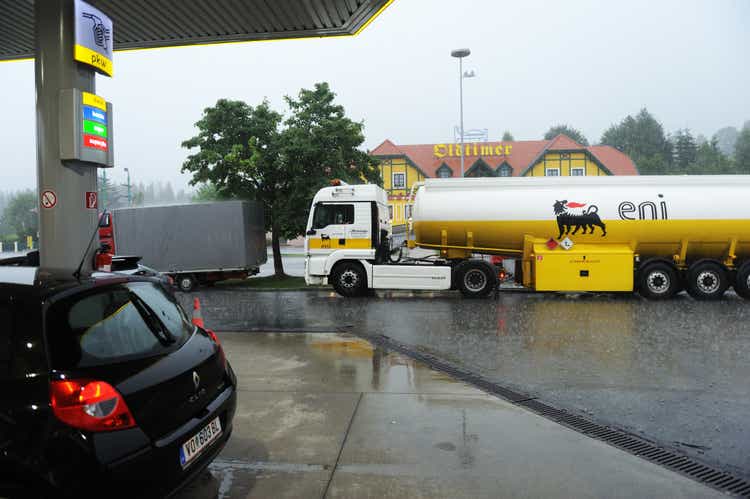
107, 387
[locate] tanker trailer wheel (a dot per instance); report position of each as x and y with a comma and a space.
475, 278
742, 281
707, 280
658, 281
186, 282
349, 279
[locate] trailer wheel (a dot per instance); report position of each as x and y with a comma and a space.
742, 281
349, 279
707, 280
658, 281
475, 278
186, 282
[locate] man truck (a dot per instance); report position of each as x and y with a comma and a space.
656, 235
199, 243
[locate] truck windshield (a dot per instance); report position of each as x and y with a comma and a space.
114, 324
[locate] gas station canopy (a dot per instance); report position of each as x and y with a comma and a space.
168, 23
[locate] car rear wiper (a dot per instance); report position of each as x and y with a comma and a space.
155, 325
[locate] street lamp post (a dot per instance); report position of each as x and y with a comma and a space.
129, 197
460, 54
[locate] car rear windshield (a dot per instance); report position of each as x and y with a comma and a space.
115, 324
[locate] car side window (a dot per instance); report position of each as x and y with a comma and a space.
333, 214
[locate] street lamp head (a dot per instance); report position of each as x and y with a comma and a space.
125, 169
460, 52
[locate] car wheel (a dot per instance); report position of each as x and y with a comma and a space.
475, 278
707, 280
742, 281
658, 281
349, 279
186, 282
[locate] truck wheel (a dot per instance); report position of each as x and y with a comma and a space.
742, 281
475, 278
707, 280
349, 279
658, 281
186, 282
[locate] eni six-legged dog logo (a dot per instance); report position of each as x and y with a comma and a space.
574, 216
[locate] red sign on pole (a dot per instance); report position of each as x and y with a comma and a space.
94, 142
92, 200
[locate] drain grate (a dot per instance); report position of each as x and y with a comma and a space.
707, 475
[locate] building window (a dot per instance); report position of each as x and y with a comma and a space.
444, 171
390, 212
407, 210
552, 172
578, 172
505, 171
399, 180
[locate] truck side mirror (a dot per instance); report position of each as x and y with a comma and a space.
311, 232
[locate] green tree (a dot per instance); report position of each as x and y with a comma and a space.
641, 137
110, 194
710, 160
251, 153
21, 214
742, 151
685, 150
568, 130
205, 192
507, 136
727, 138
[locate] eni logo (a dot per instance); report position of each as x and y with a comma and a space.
646, 210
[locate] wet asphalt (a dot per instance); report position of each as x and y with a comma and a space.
675, 372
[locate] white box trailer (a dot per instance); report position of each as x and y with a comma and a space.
654, 234
198, 243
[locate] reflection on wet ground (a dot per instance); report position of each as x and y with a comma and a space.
675, 372
329, 415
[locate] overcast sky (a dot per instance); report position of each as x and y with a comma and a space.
537, 63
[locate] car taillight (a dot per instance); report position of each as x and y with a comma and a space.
90, 405
215, 339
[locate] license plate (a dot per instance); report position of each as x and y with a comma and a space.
193, 447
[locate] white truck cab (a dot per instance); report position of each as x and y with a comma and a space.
348, 244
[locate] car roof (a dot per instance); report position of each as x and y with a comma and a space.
40, 281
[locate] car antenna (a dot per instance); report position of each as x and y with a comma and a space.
77, 273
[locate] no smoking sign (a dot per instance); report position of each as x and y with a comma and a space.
49, 199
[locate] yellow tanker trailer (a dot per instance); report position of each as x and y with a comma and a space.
654, 234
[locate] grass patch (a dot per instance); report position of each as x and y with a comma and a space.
268, 282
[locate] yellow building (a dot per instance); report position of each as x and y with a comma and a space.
402, 165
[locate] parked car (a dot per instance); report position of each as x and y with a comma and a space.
108, 388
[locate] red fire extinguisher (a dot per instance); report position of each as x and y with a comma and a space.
103, 259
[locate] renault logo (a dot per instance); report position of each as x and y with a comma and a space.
196, 380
